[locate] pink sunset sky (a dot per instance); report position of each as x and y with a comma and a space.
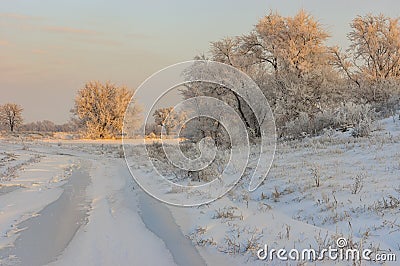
49, 49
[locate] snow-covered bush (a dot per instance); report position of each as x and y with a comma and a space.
190, 150
363, 128
300, 127
389, 107
359, 117
351, 114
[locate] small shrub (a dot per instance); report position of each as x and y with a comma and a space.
276, 195
389, 107
362, 129
299, 127
358, 184
315, 171
227, 213
389, 202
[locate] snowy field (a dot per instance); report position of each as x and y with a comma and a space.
70, 202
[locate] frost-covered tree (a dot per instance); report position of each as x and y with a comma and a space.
100, 108
277, 45
374, 52
167, 118
133, 119
231, 91
289, 44
289, 60
372, 61
11, 116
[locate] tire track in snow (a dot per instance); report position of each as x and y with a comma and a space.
159, 220
49, 233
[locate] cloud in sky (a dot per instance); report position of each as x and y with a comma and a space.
70, 30
4, 43
38, 51
18, 16
56, 46
106, 42
139, 36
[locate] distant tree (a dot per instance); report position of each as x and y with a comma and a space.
11, 116
133, 119
152, 130
100, 108
49, 126
44, 126
70, 126
166, 118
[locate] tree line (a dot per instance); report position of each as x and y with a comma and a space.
310, 85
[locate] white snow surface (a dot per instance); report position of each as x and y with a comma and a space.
358, 198
114, 233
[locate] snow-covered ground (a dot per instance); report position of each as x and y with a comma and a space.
318, 190
112, 232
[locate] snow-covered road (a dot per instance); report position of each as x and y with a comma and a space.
95, 218
54, 227
115, 233
73, 203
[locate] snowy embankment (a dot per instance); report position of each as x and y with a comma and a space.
60, 219
29, 182
111, 231
318, 189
